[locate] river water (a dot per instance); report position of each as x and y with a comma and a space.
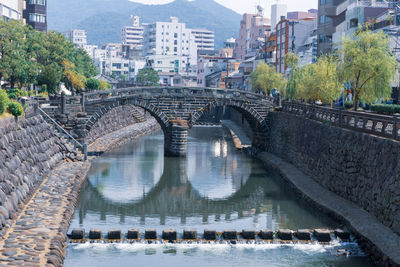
214, 187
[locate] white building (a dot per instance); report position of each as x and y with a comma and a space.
277, 11
207, 65
204, 39
10, 9
174, 39
133, 34
78, 37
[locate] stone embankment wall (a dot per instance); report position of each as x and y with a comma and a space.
362, 168
114, 120
28, 151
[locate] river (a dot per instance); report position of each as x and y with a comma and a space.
214, 187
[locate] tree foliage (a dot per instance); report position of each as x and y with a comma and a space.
28, 56
104, 85
148, 77
369, 65
4, 101
92, 84
264, 78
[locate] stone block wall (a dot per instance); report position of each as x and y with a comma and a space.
114, 120
362, 168
28, 151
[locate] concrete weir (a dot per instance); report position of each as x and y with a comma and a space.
323, 236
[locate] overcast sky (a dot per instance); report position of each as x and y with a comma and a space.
249, 6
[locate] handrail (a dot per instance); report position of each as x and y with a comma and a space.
377, 124
61, 130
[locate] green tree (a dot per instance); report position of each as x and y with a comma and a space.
83, 63
4, 101
92, 84
148, 77
265, 78
105, 85
320, 81
15, 109
368, 63
292, 62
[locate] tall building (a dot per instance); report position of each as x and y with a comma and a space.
35, 14
77, 37
254, 29
133, 34
278, 10
174, 39
297, 36
10, 9
204, 39
312, 13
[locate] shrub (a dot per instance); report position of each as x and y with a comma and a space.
15, 109
12, 96
104, 85
15, 93
92, 84
385, 109
348, 104
4, 101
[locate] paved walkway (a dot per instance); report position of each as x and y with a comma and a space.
37, 236
366, 225
240, 139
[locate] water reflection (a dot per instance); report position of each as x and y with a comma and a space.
138, 185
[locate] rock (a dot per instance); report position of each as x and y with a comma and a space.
249, 234
150, 234
303, 234
9, 252
210, 234
229, 235
189, 234
95, 234
77, 234
266, 234
132, 234
322, 235
344, 235
169, 234
114, 234
285, 234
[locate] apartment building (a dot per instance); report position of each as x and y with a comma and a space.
171, 39
310, 14
278, 10
35, 14
254, 29
11, 9
77, 37
132, 34
204, 39
297, 36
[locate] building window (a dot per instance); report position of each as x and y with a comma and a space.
324, 2
37, 2
175, 35
353, 23
37, 18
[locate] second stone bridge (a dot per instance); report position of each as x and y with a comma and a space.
175, 109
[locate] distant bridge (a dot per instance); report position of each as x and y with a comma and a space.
176, 109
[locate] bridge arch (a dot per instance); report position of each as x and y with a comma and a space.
255, 120
101, 109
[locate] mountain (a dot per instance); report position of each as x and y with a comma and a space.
103, 19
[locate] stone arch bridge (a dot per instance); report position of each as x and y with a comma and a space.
176, 109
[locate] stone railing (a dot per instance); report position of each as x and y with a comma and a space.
62, 132
380, 125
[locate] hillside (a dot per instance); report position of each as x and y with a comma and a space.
103, 19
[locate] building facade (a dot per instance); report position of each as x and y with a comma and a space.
278, 10
254, 29
77, 37
204, 39
35, 14
133, 34
174, 39
311, 14
11, 9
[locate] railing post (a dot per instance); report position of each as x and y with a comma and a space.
340, 118
63, 103
395, 128
83, 100
85, 151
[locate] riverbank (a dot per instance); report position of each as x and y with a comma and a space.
37, 236
377, 240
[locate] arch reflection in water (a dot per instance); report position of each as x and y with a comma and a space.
207, 189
